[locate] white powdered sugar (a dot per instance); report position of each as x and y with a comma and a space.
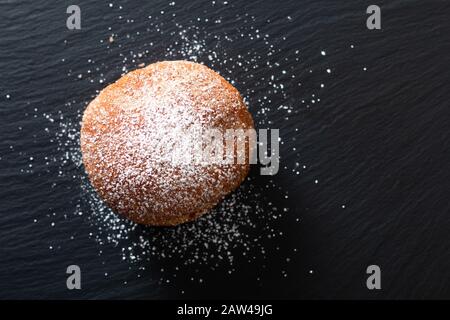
245, 224
135, 129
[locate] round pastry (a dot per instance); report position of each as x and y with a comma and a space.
137, 142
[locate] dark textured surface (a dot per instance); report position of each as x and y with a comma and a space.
378, 142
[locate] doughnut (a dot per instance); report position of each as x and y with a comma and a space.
136, 142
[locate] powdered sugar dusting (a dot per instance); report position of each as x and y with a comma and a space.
131, 133
244, 224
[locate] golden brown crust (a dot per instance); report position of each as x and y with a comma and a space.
125, 128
